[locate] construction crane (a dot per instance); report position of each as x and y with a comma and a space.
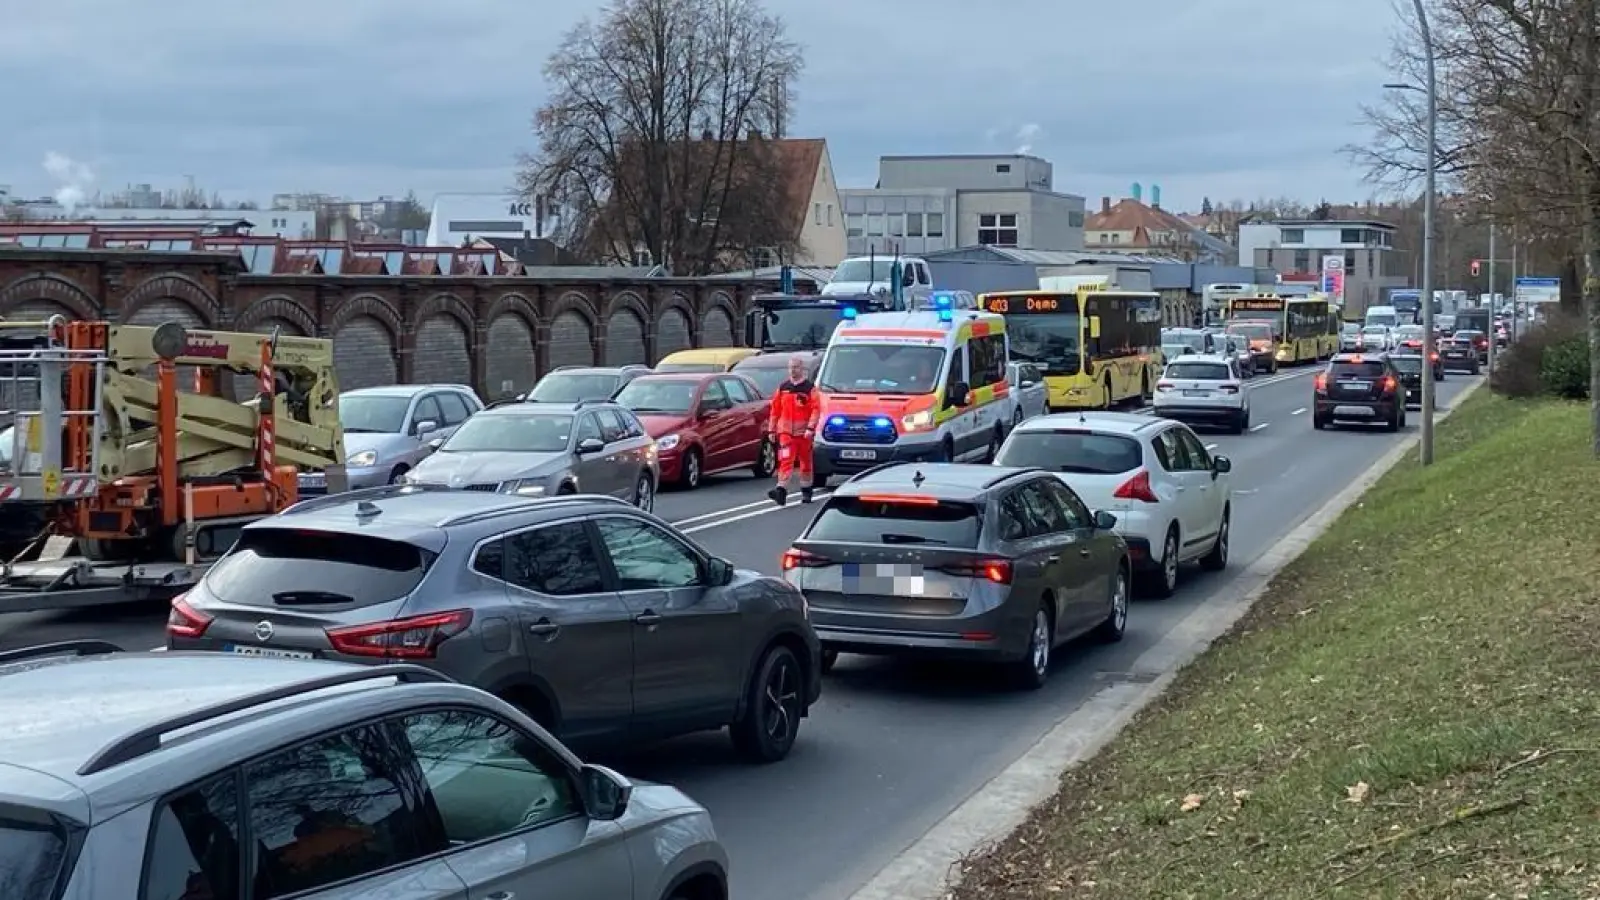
150, 482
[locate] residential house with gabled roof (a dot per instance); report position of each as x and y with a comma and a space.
1131, 226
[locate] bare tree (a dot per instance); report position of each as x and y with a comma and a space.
1520, 116
646, 140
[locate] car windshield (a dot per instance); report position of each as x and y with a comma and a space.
882, 368
688, 367
1385, 319
571, 387
859, 521
1050, 341
1251, 331
373, 413
1409, 333
32, 856
1199, 371
1070, 450
863, 270
1350, 328
1408, 364
767, 378
1194, 340
299, 568
807, 327
647, 396
515, 433
1173, 351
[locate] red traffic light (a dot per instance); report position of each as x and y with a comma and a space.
1476, 265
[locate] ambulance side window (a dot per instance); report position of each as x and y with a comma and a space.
957, 372
988, 360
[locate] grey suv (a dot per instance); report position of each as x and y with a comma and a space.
600, 621
236, 778
541, 449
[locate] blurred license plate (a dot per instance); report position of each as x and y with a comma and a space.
858, 454
313, 480
1356, 385
1197, 393
891, 580
272, 652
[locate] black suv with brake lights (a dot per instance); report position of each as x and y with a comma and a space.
1411, 372
1359, 387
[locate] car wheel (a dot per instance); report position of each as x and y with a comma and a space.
995, 440
1166, 577
644, 493
398, 473
766, 459
1395, 421
1319, 423
566, 490
771, 721
1106, 386
1016, 419
1217, 559
1241, 422
689, 478
1033, 669
947, 451
1116, 622
830, 658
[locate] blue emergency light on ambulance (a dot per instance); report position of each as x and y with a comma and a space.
848, 312
944, 303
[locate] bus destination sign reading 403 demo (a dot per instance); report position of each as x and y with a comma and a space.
1040, 304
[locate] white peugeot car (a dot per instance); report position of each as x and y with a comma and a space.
1204, 390
1171, 497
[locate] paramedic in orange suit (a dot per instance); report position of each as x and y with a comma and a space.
796, 407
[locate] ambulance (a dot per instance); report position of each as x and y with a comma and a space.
916, 385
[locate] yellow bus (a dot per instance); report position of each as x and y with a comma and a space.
1304, 329
1096, 347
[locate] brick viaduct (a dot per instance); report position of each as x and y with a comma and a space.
496, 334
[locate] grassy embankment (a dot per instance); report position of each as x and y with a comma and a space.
1412, 710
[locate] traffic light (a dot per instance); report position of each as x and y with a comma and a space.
1476, 265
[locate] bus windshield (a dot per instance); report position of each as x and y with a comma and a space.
799, 327
881, 369
1051, 342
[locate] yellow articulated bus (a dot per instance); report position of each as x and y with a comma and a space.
1096, 347
1300, 329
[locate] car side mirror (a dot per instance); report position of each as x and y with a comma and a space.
424, 427
1028, 382
719, 572
435, 444
1221, 464
956, 395
605, 793
591, 445
1104, 521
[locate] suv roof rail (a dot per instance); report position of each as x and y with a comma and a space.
147, 740
61, 648
479, 515
381, 492
872, 470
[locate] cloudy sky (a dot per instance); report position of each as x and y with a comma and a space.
1220, 98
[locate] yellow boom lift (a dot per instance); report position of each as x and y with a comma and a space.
151, 482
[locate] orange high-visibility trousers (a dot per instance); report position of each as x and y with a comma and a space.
794, 451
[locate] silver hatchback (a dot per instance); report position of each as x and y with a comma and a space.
548, 449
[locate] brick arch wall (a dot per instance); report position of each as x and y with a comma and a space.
174, 286
41, 288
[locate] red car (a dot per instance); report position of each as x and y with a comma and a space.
703, 423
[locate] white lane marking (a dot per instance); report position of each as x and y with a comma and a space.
1211, 446
160, 649
1259, 427
748, 515
1299, 411
719, 513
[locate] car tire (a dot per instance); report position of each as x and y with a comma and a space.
1395, 421
567, 489
1115, 624
1016, 419
993, 451
397, 473
1241, 422
1216, 559
830, 658
1033, 669
766, 459
644, 493
766, 731
947, 451
1146, 393
1106, 386
689, 476
1319, 423
1164, 581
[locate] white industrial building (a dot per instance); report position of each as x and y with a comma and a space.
461, 217
285, 223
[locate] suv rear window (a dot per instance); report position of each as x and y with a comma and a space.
1072, 451
857, 521
1410, 364
296, 567
34, 857
1196, 371
1364, 369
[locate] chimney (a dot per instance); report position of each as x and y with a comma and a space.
1105, 204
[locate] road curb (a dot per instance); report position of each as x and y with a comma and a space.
926, 869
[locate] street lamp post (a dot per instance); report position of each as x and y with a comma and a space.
1429, 189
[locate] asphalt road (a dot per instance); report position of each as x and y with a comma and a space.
893, 747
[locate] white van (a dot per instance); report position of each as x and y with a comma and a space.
1382, 317
870, 275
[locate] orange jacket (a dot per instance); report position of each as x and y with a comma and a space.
796, 408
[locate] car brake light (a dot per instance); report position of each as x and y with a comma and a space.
794, 558
1389, 384
184, 621
1230, 389
899, 499
1433, 357
995, 570
1137, 488
1163, 385
1320, 383
416, 637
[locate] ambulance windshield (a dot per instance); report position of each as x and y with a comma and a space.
881, 369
